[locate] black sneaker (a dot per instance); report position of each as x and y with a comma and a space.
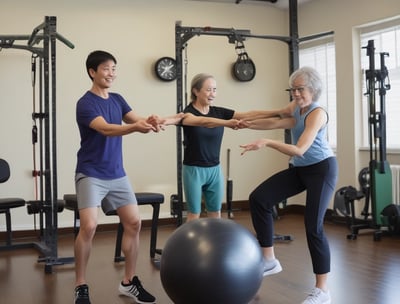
82, 294
136, 291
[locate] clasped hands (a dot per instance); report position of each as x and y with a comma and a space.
159, 123
237, 124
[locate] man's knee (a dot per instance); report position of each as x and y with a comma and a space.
134, 225
87, 230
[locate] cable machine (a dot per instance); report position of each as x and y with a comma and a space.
382, 207
184, 33
42, 44
379, 167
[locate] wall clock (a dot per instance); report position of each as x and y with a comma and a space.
165, 68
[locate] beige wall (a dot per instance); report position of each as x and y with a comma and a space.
138, 33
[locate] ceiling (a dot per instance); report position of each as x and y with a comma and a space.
281, 4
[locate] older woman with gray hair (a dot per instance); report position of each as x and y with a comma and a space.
313, 168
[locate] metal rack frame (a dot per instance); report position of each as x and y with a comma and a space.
42, 43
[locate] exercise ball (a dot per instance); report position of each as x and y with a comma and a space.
213, 261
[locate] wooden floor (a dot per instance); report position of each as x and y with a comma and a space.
364, 271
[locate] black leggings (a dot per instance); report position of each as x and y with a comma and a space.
319, 180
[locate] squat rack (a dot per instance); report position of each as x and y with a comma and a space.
42, 44
184, 33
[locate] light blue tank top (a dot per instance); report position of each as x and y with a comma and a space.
320, 148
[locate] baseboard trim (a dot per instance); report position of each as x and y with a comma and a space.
236, 206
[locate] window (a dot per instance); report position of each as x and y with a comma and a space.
321, 56
386, 39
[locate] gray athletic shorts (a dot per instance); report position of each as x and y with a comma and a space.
109, 194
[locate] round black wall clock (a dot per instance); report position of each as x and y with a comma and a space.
165, 69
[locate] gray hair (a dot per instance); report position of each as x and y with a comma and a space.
197, 83
312, 80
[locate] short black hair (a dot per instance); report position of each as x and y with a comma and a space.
96, 58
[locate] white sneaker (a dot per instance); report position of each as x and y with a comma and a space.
271, 267
318, 296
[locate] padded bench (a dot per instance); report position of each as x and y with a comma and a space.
143, 198
5, 205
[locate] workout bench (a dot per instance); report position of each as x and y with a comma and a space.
143, 198
6, 204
